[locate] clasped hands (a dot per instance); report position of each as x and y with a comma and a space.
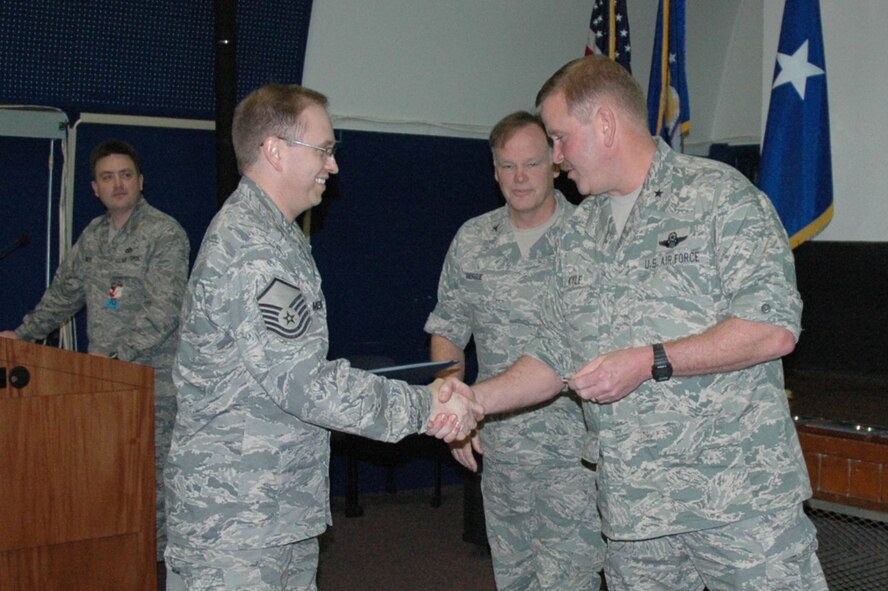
606, 379
462, 436
455, 412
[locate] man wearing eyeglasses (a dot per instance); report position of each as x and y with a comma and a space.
129, 268
247, 476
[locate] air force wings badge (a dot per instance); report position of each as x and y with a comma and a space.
284, 309
673, 239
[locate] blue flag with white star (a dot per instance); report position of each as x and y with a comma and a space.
669, 111
609, 32
796, 166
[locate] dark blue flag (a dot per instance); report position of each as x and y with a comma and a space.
609, 32
669, 112
796, 167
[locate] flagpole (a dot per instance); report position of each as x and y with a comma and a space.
664, 68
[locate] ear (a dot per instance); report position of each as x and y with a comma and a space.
607, 124
271, 152
95, 187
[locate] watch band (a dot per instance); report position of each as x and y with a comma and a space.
662, 369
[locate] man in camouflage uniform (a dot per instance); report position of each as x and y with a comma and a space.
247, 476
539, 498
129, 269
685, 300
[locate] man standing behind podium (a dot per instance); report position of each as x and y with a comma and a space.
247, 476
539, 498
129, 268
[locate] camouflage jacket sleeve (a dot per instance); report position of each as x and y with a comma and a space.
164, 281
331, 394
550, 344
755, 262
64, 297
451, 317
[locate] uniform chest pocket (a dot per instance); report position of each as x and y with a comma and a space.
125, 291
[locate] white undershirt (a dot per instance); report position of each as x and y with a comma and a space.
527, 237
621, 207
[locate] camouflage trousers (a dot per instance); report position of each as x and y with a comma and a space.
292, 567
543, 526
164, 418
774, 551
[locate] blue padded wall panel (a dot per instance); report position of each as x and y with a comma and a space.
24, 180
382, 231
111, 56
147, 58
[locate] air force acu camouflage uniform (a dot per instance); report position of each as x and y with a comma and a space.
539, 499
701, 245
250, 457
132, 287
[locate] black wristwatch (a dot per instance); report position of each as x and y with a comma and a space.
662, 369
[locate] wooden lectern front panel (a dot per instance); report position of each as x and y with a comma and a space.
76, 471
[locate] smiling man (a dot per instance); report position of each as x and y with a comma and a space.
129, 268
247, 477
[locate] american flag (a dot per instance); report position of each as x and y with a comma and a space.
609, 32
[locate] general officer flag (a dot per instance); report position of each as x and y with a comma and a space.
669, 112
609, 32
796, 166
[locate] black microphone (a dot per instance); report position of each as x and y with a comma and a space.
22, 240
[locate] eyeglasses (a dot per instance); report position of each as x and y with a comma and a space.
329, 151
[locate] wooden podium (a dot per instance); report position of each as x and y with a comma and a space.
76, 471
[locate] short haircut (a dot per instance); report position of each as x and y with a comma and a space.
585, 81
503, 131
110, 147
274, 109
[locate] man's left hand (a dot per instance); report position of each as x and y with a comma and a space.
611, 376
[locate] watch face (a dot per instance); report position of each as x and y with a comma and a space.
662, 373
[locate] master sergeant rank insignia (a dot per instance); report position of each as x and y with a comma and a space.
284, 309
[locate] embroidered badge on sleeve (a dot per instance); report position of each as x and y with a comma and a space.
284, 309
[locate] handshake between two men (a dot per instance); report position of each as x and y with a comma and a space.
457, 407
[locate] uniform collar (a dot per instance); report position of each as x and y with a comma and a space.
501, 225
502, 231
133, 220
